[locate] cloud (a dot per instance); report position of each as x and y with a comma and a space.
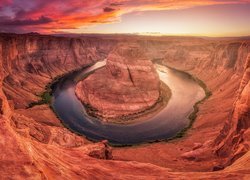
48, 16
116, 4
4, 2
108, 9
25, 22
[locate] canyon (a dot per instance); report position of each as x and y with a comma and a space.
35, 145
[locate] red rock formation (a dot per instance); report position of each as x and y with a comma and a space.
34, 145
30, 62
128, 84
207, 60
234, 139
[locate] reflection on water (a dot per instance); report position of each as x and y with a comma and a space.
167, 123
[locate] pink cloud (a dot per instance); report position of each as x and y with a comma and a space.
49, 16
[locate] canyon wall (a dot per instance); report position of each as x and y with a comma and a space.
221, 64
234, 139
34, 144
29, 62
224, 66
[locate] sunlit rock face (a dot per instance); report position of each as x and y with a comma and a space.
35, 145
234, 140
128, 84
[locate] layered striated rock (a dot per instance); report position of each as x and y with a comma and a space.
29, 62
34, 144
234, 139
128, 84
208, 60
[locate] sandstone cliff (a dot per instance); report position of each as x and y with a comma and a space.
29, 62
35, 145
128, 84
234, 139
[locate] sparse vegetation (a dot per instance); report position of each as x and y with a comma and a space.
193, 115
46, 96
165, 94
45, 99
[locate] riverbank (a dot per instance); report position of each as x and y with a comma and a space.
146, 114
46, 95
193, 115
165, 95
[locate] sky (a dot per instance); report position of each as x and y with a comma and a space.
151, 17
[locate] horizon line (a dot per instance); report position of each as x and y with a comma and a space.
153, 34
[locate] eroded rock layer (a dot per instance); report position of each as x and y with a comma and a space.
128, 84
35, 145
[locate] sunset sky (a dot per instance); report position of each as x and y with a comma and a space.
168, 17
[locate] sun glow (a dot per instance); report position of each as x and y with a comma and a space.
184, 17
223, 20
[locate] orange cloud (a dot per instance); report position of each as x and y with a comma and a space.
50, 16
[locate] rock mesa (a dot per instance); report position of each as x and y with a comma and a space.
128, 84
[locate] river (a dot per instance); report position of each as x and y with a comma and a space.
165, 124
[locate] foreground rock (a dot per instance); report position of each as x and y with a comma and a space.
128, 84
